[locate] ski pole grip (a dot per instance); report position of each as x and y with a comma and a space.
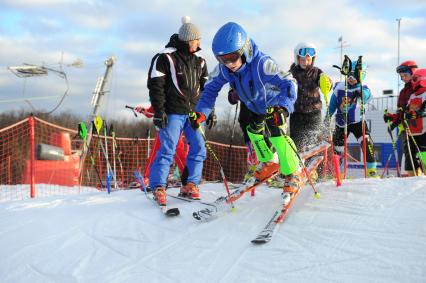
133, 109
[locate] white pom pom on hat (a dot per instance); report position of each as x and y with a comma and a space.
186, 19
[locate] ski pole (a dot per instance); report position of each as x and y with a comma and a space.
232, 136
344, 70
82, 132
358, 69
316, 193
192, 115
394, 147
133, 110
409, 133
97, 122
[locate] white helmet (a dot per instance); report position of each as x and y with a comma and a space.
303, 49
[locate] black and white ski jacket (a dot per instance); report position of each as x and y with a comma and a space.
176, 78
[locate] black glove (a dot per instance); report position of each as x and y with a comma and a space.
233, 97
211, 120
196, 118
392, 127
160, 120
356, 94
411, 115
276, 116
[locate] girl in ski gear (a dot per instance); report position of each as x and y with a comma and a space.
352, 110
176, 77
306, 121
267, 92
415, 115
405, 71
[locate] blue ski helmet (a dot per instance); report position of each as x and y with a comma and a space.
232, 38
353, 70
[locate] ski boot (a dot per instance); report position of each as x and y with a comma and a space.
371, 170
372, 173
265, 169
190, 191
277, 182
293, 183
250, 173
160, 196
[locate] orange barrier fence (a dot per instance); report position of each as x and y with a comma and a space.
38, 158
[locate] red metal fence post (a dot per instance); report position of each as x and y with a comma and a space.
31, 123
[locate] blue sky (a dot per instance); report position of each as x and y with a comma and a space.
44, 31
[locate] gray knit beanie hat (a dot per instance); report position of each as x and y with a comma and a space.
188, 31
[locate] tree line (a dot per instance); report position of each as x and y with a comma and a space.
225, 131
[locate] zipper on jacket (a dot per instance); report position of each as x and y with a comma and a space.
245, 94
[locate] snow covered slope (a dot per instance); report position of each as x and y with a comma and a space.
364, 231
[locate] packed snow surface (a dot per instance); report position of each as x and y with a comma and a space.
364, 231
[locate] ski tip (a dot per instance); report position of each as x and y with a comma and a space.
196, 216
260, 241
172, 212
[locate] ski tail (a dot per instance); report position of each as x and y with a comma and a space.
279, 215
170, 212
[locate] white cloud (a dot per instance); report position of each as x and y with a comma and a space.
135, 31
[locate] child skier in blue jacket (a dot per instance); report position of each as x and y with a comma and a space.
267, 92
350, 109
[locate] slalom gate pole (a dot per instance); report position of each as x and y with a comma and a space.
386, 166
316, 193
335, 157
210, 149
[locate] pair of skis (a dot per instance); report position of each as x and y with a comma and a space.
221, 204
266, 234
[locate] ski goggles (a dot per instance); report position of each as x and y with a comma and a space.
229, 58
303, 52
351, 76
405, 69
233, 56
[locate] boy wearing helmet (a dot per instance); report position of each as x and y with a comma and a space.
175, 79
415, 114
267, 92
350, 108
306, 121
405, 71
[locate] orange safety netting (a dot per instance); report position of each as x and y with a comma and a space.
39, 158
57, 168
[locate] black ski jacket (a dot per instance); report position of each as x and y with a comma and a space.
176, 78
308, 94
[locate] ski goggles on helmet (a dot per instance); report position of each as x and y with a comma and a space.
303, 52
351, 76
405, 69
229, 58
233, 56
